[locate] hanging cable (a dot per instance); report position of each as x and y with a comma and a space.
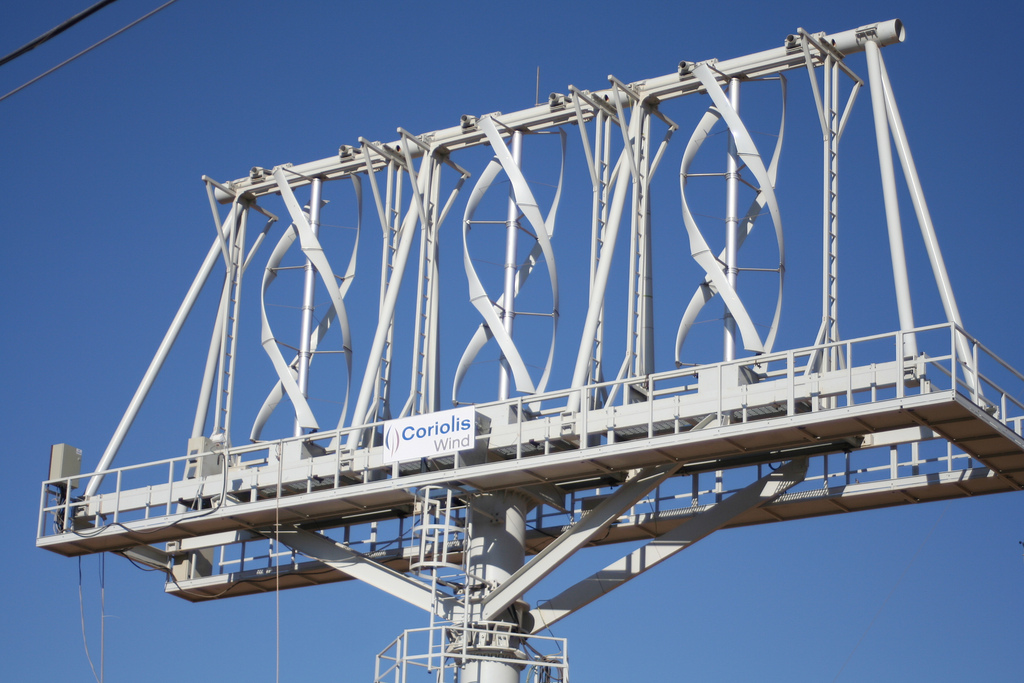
56, 31
277, 564
103, 613
88, 49
81, 611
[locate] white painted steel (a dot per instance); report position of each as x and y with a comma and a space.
860, 394
230, 340
707, 290
493, 312
314, 252
508, 301
924, 217
892, 210
316, 336
384, 326
308, 299
158, 360
717, 280
440, 654
763, 491
496, 549
353, 564
732, 226
768, 62
575, 538
538, 448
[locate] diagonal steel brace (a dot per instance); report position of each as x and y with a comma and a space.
763, 491
357, 566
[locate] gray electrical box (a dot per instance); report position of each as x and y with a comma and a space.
65, 461
202, 461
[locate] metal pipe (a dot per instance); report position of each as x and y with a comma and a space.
892, 209
308, 300
154, 367
646, 347
596, 306
825, 113
237, 271
212, 362
497, 538
732, 223
924, 217
224, 314
432, 383
832, 334
508, 302
543, 116
386, 318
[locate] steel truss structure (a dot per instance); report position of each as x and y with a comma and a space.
622, 451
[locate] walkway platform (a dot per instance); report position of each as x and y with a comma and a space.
737, 418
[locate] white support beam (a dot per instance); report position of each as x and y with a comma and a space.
762, 491
552, 115
357, 566
575, 538
158, 360
149, 556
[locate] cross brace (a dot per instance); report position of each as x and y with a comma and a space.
762, 491
355, 565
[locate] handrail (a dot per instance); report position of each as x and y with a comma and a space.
661, 377
779, 366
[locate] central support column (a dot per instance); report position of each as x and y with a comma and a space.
497, 536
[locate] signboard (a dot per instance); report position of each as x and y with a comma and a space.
422, 436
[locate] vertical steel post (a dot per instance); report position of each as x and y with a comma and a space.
508, 306
215, 350
732, 222
498, 520
308, 300
237, 270
892, 209
432, 373
645, 348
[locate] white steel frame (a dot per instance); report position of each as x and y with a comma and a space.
793, 432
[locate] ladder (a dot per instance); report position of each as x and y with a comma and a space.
229, 314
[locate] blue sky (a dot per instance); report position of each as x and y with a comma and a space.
106, 220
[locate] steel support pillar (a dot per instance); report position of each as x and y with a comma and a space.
497, 537
732, 223
308, 301
508, 301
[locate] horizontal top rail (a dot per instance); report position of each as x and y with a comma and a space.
557, 112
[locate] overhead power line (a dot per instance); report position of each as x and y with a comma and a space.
56, 31
88, 49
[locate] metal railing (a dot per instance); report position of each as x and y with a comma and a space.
441, 653
667, 403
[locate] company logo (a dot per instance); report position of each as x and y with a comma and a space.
392, 442
422, 436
